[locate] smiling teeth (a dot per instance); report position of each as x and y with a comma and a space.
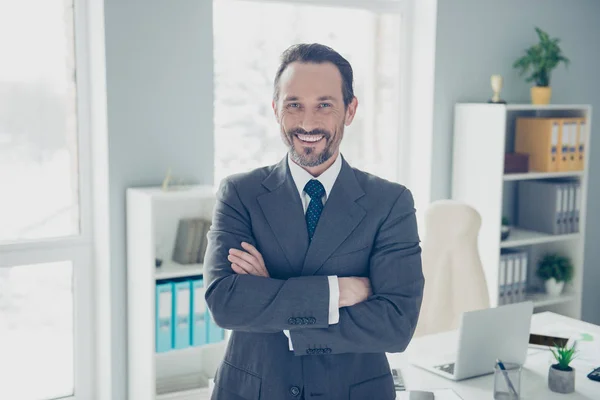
310, 138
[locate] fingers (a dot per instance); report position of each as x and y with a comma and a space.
238, 270
253, 257
252, 250
249, 258
250, 268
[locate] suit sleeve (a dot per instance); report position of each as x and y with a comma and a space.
253, 303
387, 320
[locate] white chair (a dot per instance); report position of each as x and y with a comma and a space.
454, 277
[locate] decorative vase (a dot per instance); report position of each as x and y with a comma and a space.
560, 381
554, 288
541, 94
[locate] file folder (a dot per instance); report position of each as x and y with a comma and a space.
564, 164
199, 312
577, 207
502, 280
540, 206
540, 138
181, 311
516, 285
564, 227
581, 147
523, 276
509, 278
572, 191
164, 317
215, 332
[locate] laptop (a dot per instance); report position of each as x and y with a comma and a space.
484, 336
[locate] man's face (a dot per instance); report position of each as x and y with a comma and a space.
311, 113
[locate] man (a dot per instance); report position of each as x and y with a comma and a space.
314, 266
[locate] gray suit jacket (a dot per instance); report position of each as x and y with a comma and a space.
367, 228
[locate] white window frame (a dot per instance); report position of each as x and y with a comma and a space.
417, 66
77, 249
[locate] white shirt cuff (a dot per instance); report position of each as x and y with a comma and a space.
334, 300
334, 310
287, 333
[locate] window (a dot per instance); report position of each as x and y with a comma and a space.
45, 247
246, 132
36, 304
38, 121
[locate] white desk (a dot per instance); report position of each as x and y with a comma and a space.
534, 385
534, 376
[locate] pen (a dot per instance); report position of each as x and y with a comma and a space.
507, 379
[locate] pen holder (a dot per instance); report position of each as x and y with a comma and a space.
507, 383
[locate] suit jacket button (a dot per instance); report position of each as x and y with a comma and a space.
327, 350
309, 351
305, 321
292, 321
295, 391
312, 320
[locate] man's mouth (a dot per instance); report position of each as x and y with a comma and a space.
309, 138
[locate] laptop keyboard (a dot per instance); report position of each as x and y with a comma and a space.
449, 368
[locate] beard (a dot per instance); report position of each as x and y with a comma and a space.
309, 156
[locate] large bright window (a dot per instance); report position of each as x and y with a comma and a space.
249, 37
45, 246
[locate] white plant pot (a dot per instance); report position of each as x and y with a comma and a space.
554, 288
561, 381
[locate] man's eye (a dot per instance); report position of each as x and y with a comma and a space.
293, 105
324, 105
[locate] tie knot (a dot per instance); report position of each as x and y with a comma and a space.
314, 189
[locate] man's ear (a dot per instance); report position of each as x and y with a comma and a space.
275, 111
351, 111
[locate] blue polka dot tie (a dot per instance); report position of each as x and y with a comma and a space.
316, 191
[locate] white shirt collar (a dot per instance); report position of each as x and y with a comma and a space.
327, 178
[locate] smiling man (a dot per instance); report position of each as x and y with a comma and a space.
314, 265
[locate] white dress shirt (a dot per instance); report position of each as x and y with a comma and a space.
327, 179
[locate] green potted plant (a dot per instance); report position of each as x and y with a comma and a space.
505, 229
561, 376
539, 61
555, 270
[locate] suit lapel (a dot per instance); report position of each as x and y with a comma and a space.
284, 213
340, 216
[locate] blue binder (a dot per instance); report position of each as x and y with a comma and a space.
198, 324
215, 332
164, 317
181, 311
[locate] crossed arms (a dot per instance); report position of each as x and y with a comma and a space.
241, 296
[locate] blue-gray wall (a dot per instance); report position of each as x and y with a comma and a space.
478, 38
159, 88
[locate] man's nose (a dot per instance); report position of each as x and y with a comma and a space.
310, 121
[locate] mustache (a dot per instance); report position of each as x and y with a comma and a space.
314, 132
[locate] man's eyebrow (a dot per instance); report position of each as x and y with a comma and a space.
326, 98
291, 98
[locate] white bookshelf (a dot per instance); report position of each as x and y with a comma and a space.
523, 237
482, 134
171, 269
152, 220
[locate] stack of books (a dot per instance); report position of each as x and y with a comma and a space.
191, 241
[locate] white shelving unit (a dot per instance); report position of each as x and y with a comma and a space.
483, 133
152, 220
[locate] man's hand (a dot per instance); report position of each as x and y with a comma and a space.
247, 262
354, 290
